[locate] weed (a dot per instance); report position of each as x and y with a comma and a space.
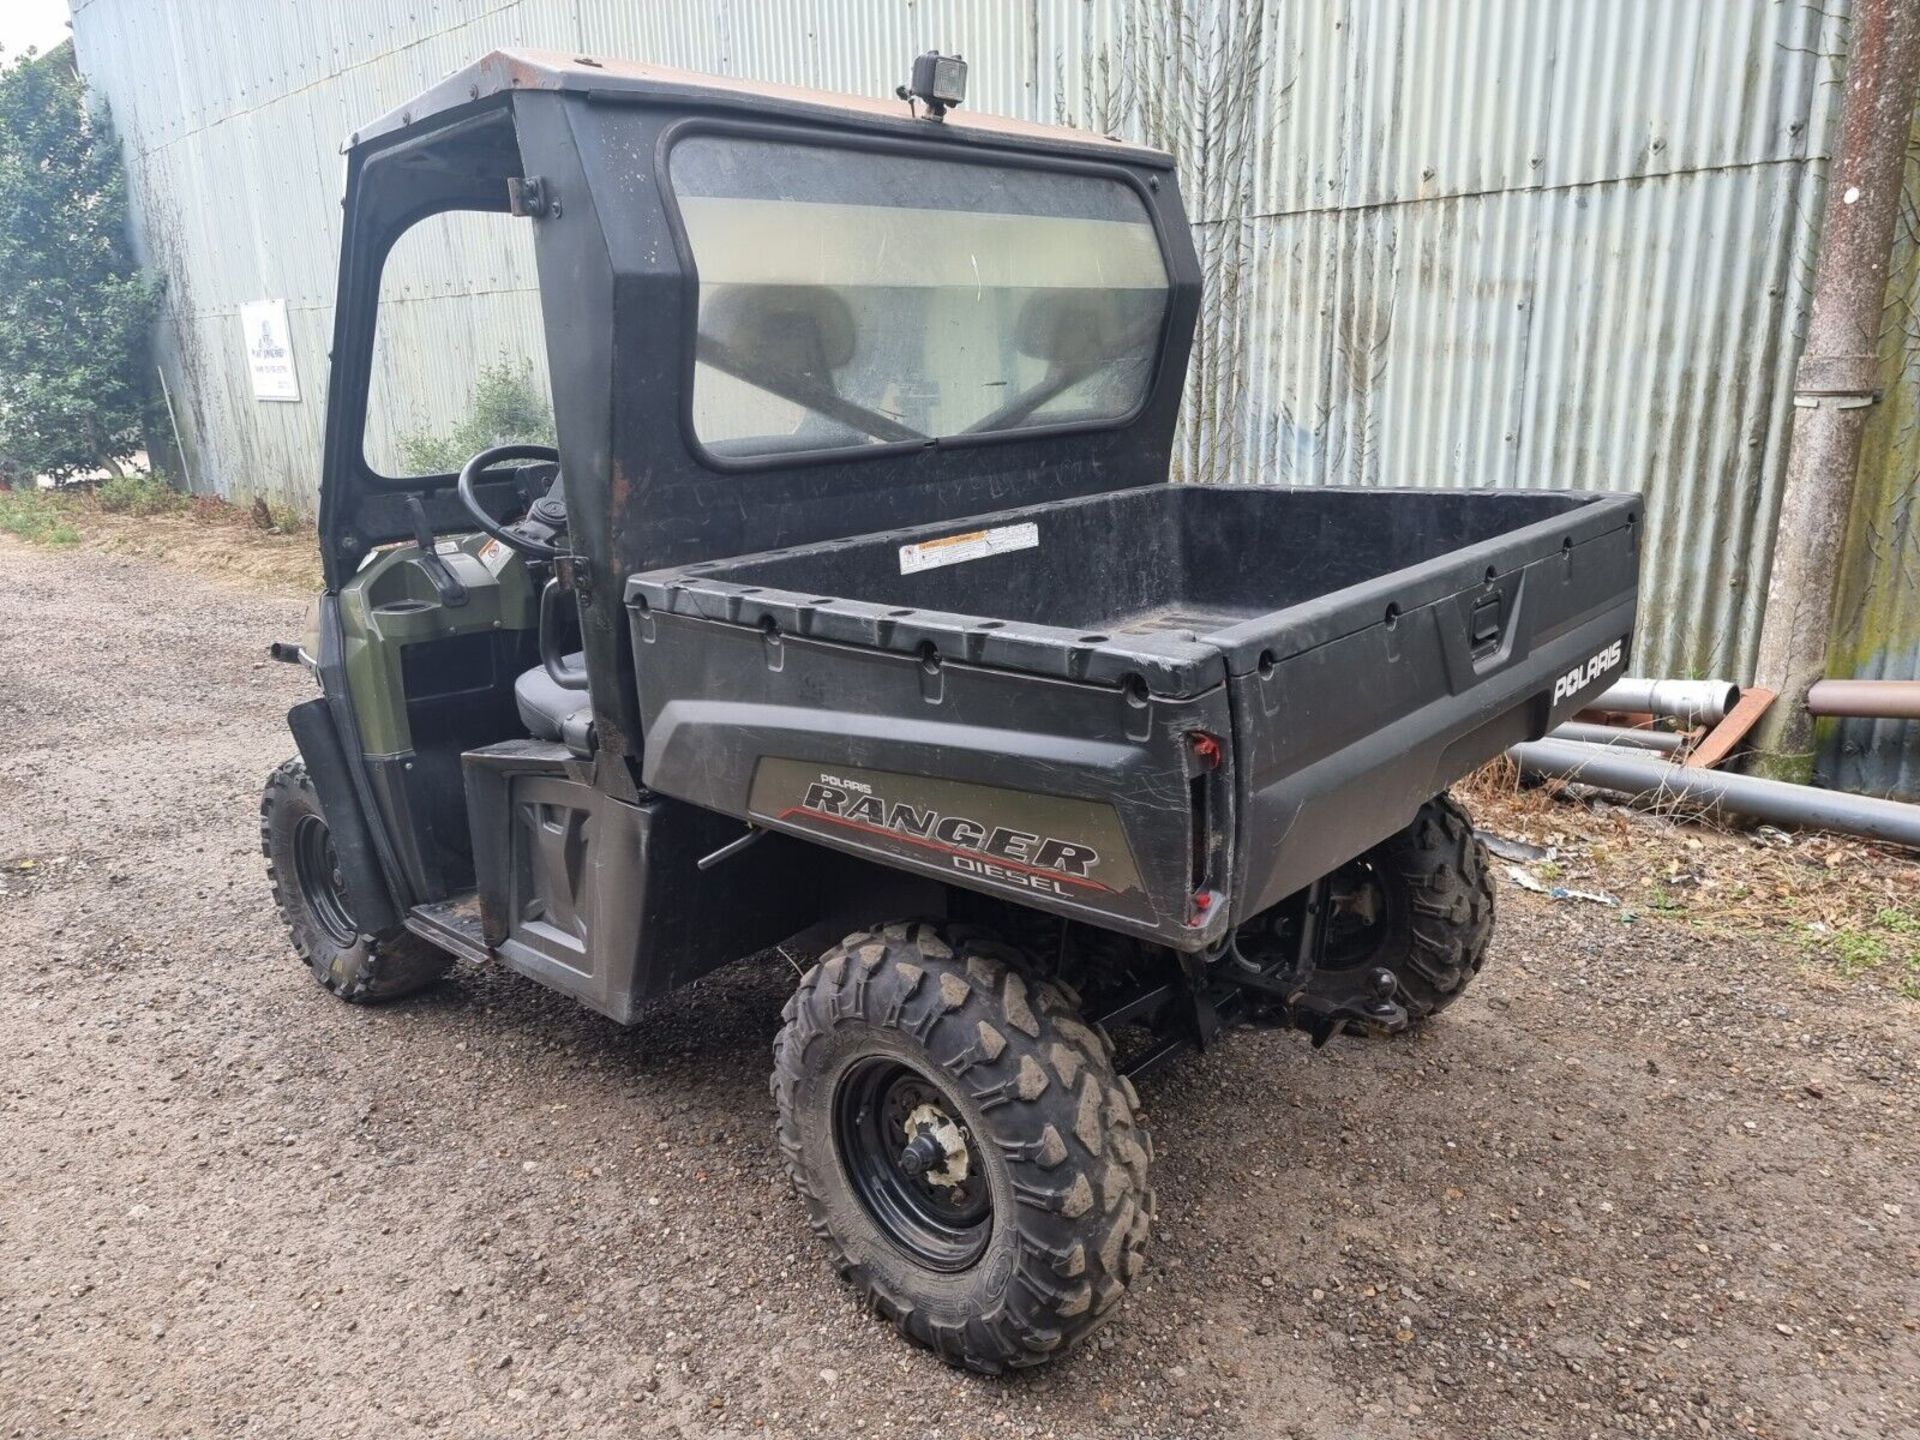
33, 515
285, 519
1853, 951
1898, 919
1662, 900
1858, 951
139, 495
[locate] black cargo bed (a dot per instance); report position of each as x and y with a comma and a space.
1177, 585
1220, 692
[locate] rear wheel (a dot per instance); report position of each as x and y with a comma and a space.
962, 1143
311, 893
1419, 903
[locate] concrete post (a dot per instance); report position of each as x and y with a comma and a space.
1834, 383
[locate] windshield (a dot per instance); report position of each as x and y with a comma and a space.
855, 297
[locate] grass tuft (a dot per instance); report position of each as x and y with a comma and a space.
139, 495
36, 516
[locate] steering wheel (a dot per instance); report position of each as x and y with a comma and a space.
479, 465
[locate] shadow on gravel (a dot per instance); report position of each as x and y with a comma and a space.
727, 1016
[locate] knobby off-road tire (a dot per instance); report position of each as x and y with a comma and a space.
1438, 908
312, 900
1045, 1120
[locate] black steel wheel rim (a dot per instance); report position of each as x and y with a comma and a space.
318, 870
941, 1226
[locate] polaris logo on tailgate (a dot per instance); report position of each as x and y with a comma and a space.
1581, 676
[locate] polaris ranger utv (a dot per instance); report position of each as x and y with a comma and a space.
855, 601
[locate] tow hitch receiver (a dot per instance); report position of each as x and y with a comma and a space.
1277, 978
1324, 1011
1290, 983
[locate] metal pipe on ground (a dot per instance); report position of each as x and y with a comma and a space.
1866, 699
1778, 801
1661, 740
1693, 701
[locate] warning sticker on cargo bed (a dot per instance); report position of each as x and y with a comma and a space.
974, 545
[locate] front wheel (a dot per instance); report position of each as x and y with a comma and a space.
1419, 903
311, 894
962, 1143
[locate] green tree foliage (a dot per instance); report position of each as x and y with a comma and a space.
74, 310
508, 409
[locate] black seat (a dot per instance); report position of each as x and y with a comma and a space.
553, 712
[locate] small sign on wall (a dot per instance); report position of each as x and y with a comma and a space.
263, 323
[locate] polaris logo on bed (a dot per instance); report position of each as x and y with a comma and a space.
995, 852
1581, 676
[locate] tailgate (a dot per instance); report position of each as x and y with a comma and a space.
1350, 711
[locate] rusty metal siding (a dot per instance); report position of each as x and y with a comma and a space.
1478, 242
1485, 340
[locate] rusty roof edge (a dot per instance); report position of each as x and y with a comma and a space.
504, 71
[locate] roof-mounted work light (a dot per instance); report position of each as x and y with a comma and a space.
939, 82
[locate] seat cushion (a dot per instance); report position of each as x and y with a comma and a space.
546, 707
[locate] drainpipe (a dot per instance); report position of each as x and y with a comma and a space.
1834, 383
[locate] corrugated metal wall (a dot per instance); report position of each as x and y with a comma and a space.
231, 117
1448, 242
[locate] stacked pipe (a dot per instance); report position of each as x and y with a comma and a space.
1664, 741
1776, 801
1691, 702
1611, 758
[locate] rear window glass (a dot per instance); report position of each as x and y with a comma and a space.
852, 297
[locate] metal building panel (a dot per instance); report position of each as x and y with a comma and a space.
1372, 102
859, 47
1471, 242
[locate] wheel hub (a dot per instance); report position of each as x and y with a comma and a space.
911, 1163
937, 1151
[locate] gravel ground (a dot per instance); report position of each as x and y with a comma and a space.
1632, 1185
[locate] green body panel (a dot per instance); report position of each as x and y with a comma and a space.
390, 603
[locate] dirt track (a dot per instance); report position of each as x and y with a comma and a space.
1632, 1185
